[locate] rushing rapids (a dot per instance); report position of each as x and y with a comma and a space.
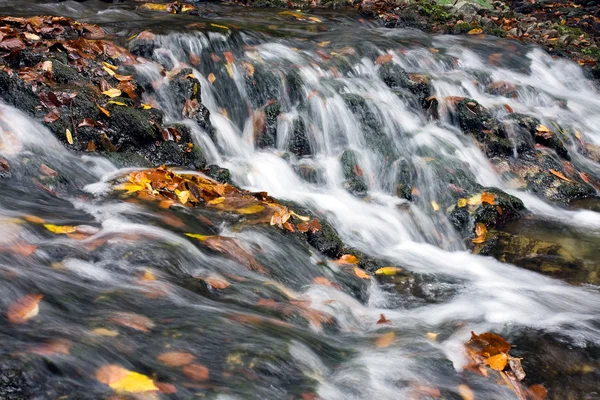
367, 129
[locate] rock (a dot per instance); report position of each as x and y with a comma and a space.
299, 143
325, 240
355, 182
405, 177
63, 73
218, 174
529, 125
13, 385
267, 137
18, 94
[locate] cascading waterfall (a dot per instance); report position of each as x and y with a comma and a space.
331, 100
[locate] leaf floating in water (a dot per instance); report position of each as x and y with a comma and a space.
211, 78
133, 321
383, 320
537, 392
24, 309
465, 392
105, 332
216, 282
432, 336
388, 271
360, 273
176, 359
383, 59
122, 380
435, 205
385, 340
61, 230
197, 372
475, 31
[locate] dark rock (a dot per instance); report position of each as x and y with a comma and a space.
16, 93
325, 240
529, 125
405, 178
13, 385
268, 135
355, 182
63, 73
217, 173
134, 127
299, 143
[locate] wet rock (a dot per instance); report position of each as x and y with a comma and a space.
325, 240
16, 93
405, 178
299, 143
268, 135
396, 78
13, 385
263, 86
134, 127
185, 93
355, 182
63, 73
143, 48
310, 173
529, 125
218, 174
180, 151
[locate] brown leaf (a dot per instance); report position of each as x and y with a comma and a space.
24, 309
383, 319
361, 274
197, 372
176, 359
383, 59
52, 116
133, 321
46, 170
217, 282
166, 388
537, 392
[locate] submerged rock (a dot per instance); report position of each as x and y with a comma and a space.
355, 181
299, 143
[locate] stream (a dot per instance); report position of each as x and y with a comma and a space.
131, 287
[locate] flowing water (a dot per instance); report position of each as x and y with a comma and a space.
324, 341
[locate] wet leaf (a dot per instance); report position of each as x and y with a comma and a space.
69, 136
348, 259
559, 175
474, 200
124, 381
118, 103
384, 59
385, 340
462, 202
216, 282
176, 359
211, 78
388, 271
58, 229
537, 392
146, 106
489, 198
481, 232
46, 170
166, 388
112, 92
515, 366
103, 110
432, 336
465, 392
383, 320
497, 362
197, 372
105, 332
475, 31
361, 274
24, 309
133, 321
183, 196
435, 205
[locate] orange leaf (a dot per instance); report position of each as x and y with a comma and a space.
166, 388
24, 309
475, 31
360, 273
216, 282
385, 340
347, 259
489, 198
197, 372
465, 392
497, 362
385, 58
559, 175
537, 392
176, 359
133, 321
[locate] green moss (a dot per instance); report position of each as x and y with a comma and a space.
461, 28
591, 51
496, 32
435, 12
567, 30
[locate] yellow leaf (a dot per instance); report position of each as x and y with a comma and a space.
497, 362
197, 236
465, 392
474, 200
388, 271
475, 31
118, 103
435, 205
461, 202
183, 196
130, 187
112, 92
300, 217
104, 110
148, 275
124, 381
69, 136
432, 336
146, 106
323, 44
385, 340
217, 200
229, 70
109, 71
109, 66
105, 332
219, 26
250, 209
211, 78
542, 128
60, 229
360, 273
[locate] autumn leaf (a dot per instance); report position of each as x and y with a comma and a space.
105, 332
475, 31
388, 271
360, 273
462, 202
383, 59
216, 282
64, 229
537, 392
211, 78
122, 380
69, 136
385, 340
347, 259
383, 320
176, 359
481, 232
321, 280
197, 372
474, 200
432, 336
112, 92
133, 321
559, 175
435, 205
497, 362
166, 388
489, 198
465, 392
24, 309
103, 110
